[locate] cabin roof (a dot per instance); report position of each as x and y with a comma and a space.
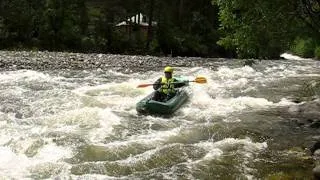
135, 19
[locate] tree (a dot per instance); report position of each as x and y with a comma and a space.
20, 20
187, 28
151, 11
63, 23
264, 29
309, 11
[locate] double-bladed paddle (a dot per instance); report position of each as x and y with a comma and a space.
200, 80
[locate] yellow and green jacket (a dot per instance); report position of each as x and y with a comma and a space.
167, 86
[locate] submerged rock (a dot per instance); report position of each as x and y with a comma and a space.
315, 148
316, 172
307, 113
310, 91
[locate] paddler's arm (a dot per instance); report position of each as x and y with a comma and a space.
157, 84
178, 85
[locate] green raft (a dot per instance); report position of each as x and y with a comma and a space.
149, 106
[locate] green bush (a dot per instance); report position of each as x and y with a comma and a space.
304, 47
317, 53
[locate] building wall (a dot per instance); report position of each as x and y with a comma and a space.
133, 30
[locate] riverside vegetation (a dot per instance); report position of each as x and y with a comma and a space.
224, 28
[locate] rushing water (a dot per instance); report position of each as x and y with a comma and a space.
83, 124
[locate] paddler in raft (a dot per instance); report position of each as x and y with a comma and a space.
165, 86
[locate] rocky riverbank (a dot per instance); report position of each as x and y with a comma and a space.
14, 60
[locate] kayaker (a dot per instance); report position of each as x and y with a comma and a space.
165, 86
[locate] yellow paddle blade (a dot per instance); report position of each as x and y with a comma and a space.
200, 80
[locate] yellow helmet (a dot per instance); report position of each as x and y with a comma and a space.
168, 69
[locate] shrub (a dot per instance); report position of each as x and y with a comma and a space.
304, 47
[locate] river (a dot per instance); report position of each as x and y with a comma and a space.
82, 124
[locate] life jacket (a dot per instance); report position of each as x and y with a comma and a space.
167, 86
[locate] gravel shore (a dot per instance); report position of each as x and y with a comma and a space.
14, 60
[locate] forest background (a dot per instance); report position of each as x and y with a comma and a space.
219, 28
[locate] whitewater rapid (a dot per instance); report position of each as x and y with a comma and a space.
83, 124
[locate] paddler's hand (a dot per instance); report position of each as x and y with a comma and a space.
186, 83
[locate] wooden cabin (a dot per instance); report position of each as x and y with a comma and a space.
135, 24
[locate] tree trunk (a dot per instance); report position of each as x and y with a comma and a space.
130, 27
149, 38
180, 12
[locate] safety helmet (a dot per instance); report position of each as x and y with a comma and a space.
168, 69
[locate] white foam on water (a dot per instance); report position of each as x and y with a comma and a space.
152, 139
293, 57
207, 107
3, 117
156, 136
97, 123
118, 96
24, 75
226, 73
285, 102
107, 120
213, 154
11, 133
213, 99
39, 130
13, 165
117, 73
85, 117
245, 147
3, 125
92, 177
221, 82
132, 160
289, 69
232, 120
221, 87
281, 71
53, 153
